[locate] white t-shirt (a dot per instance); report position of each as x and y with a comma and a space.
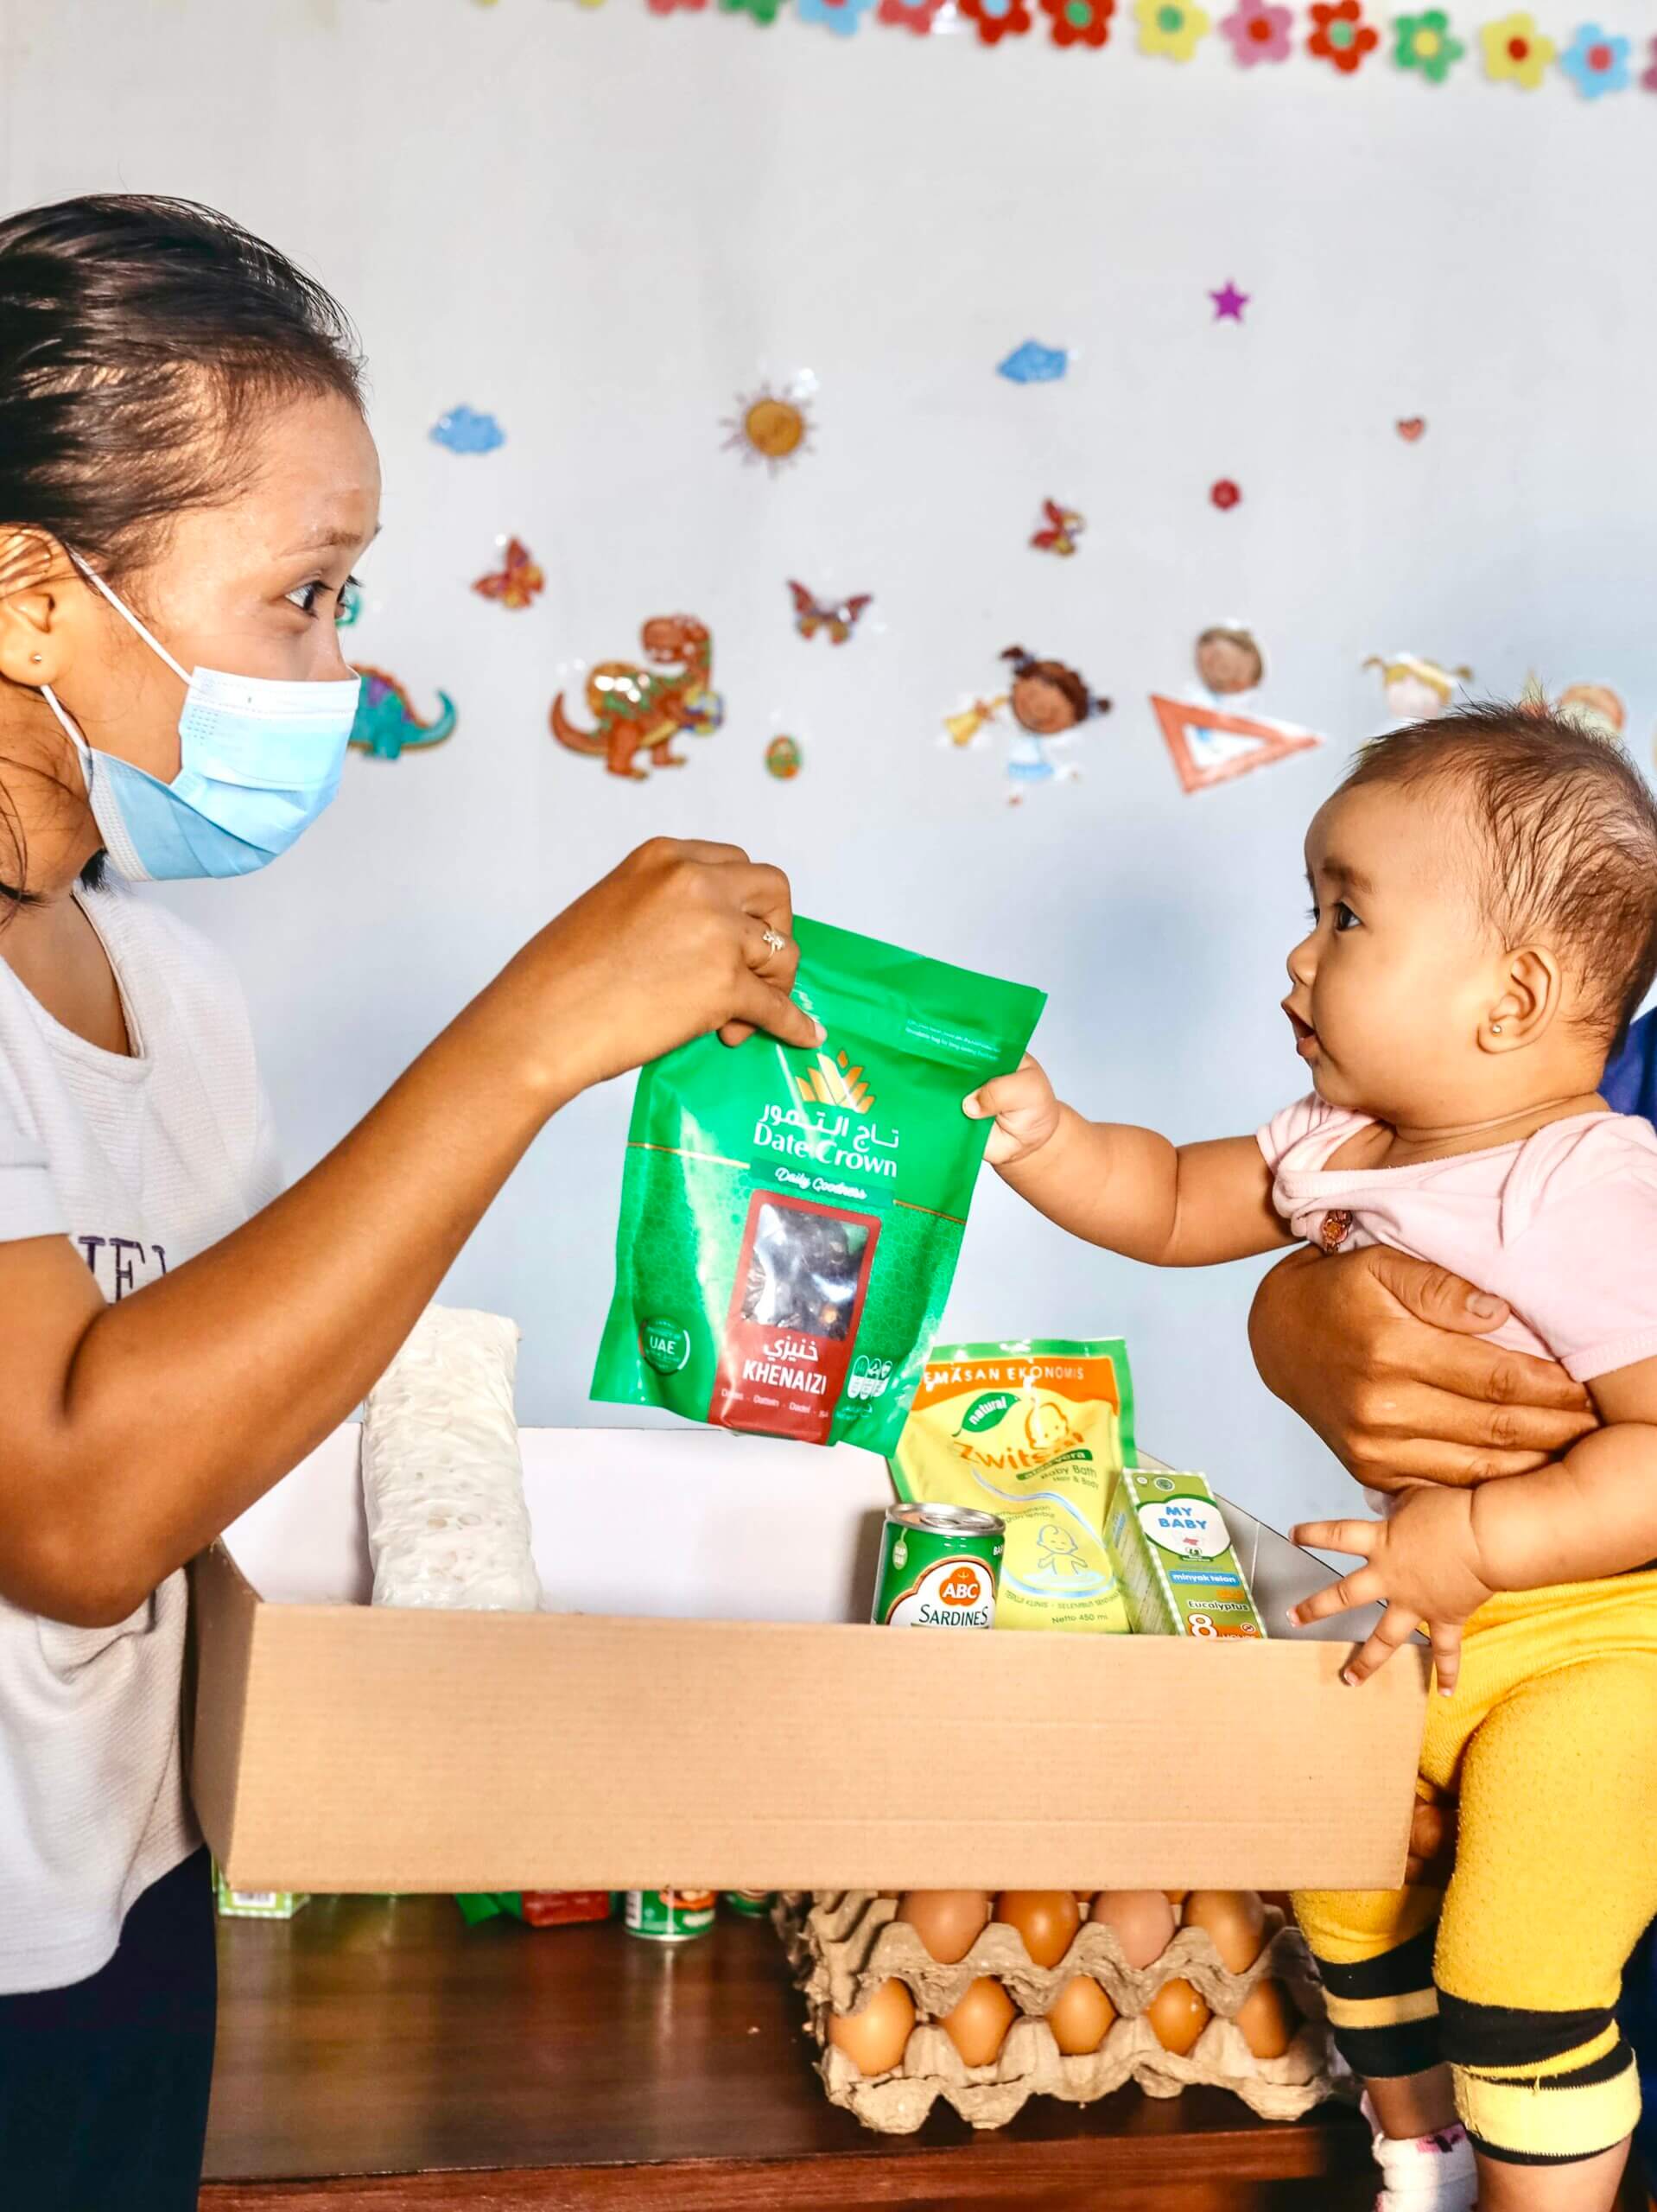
142, 1163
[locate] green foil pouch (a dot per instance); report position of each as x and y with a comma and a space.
791, 1220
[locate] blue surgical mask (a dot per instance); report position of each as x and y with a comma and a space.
258, 761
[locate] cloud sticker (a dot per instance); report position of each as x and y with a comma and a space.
1033, 364
463, 429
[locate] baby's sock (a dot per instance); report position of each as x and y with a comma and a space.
1426, 2173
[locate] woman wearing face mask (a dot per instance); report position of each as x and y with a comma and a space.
185, 479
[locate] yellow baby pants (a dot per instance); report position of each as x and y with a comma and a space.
1512, 1973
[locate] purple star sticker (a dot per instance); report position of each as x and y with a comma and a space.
1229, 303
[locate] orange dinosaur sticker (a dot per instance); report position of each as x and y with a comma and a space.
641, 707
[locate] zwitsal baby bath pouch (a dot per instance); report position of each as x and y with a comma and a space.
790, 1220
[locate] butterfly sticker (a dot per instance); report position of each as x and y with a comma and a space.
1059, 529
516, 584
839, 620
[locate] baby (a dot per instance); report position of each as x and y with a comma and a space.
1483, 927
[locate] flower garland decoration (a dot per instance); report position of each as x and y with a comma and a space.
1515, 52
995, 20
843, 17
1080, 22
917, 15
667, 6
1597, 63
1424, 43
1648, 77
762, 11
1341, 36
1173, 29
1259, 33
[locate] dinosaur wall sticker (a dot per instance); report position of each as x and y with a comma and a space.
642, 708
387, 725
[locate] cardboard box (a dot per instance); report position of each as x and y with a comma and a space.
708, 1704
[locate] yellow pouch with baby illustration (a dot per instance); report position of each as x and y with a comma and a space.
1036, 1430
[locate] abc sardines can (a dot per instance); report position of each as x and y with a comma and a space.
940, 1566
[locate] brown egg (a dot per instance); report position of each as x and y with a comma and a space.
873, 2039
979, 2023
947, 1921
1178, 2016
1047, 1920
1236, 1919
1081, 2016
1268, 2019
1143, 1920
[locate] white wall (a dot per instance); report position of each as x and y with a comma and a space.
604, 226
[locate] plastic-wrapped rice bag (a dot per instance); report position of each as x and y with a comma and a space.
442, 1474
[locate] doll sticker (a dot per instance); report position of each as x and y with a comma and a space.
1215, 730
1046, 704
1416, 690
1229, 660
641, 706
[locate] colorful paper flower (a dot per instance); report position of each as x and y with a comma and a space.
1080, 22
1224, 494
995, 20
917, 15
762, 11
1595, 62
1259, 34
841, 17
1173, 29
667, 6
1515, 52
1648, 77
1424, 43
1341, 36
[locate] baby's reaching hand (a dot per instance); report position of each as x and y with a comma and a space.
1026, 1111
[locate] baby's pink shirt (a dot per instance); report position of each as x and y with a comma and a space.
1562, 1225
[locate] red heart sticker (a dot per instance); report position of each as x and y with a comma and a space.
1411, 428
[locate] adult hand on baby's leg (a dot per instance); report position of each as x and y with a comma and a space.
1424, 1567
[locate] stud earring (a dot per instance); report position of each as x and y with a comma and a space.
35, 658
1496, 1029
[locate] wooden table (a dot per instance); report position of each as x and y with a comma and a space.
377, 2054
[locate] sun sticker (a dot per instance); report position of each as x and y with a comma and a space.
772, 427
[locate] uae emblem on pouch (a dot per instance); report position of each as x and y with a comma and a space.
641, 707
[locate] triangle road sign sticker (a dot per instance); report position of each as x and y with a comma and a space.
1209, 748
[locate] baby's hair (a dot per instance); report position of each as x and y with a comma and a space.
1569, 830
1062, 678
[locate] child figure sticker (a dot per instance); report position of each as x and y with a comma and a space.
1186, 1528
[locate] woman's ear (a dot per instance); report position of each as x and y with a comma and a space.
31, 649
1533, 990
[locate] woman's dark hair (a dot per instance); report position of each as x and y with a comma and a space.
137, 336
1065, 680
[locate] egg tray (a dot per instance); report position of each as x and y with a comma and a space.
844, 1945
